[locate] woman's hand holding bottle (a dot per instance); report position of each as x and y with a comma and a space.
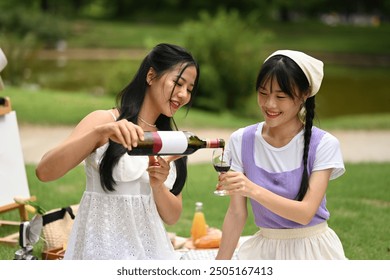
123, 132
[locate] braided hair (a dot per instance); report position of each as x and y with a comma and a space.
290, 76
163, 58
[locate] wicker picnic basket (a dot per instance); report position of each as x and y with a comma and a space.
57, 225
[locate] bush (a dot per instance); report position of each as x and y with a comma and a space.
23, 32
47, 28
118, 76
21, 54
228, 50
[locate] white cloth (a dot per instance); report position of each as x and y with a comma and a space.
3, 63
311, 67
288, 157
123, 224
318, 242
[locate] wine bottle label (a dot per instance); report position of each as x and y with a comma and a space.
212, 143
169, 142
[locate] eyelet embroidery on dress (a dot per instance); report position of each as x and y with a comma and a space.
102, 240
121, 225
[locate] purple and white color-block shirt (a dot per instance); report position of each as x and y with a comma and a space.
280, 169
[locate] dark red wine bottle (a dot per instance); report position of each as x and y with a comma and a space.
173, 143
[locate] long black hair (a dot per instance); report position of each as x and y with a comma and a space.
289, 75
163, 58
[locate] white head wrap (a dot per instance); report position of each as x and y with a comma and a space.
3, 63
313, 68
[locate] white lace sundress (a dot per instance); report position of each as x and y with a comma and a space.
123, 224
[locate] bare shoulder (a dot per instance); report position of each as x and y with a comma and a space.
92, 120
100, 117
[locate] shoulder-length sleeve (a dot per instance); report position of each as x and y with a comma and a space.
329, 155
170, 181
234, 149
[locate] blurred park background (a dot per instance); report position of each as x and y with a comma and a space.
94, 46
67, 58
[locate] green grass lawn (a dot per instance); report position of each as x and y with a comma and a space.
359, 203
117, 34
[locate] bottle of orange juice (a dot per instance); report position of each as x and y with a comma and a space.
199, 226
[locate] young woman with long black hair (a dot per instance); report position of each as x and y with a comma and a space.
283, 165
128, 198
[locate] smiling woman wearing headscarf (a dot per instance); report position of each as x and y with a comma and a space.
283, 165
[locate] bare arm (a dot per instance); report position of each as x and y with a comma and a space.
301, 212
92, 132
168, 205
233, 225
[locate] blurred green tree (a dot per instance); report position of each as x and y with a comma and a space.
228, 49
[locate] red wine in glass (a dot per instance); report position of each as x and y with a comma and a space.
220, 169
221, 162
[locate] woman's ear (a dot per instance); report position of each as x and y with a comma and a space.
306, 96
150, 76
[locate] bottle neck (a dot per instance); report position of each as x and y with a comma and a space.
215, 143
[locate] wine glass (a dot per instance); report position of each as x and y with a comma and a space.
221, 162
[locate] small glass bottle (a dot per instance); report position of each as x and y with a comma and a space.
173, 143
199, 226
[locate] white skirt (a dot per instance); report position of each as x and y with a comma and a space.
317, 242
